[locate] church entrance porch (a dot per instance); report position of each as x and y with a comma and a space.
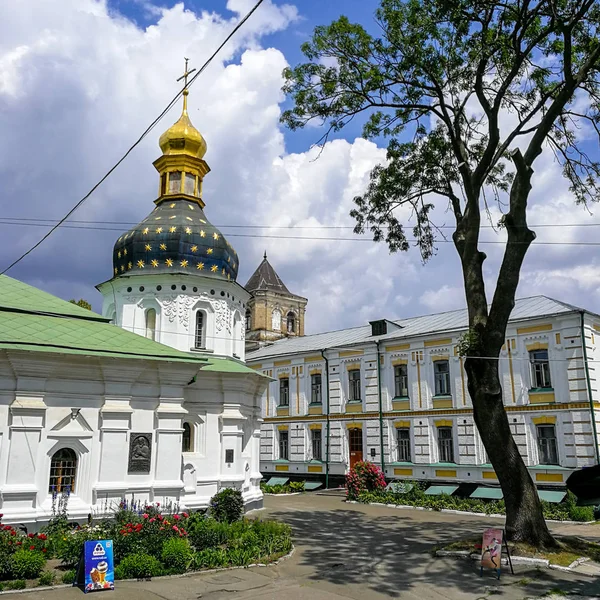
355, 444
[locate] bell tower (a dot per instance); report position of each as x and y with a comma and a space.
273, 312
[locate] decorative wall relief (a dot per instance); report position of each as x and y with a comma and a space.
222, 316
140, 452
169, 308
185, 307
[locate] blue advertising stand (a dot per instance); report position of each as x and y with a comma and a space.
96, 568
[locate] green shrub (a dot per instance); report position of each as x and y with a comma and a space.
177, 555
227, 505
297, 486
69, 576
139, 566
46, 578
26, 564
211, 558
208, 533
15, 584
581, 513
68, 545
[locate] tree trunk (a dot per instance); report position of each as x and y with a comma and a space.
524, 518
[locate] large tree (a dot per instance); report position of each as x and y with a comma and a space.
468, 94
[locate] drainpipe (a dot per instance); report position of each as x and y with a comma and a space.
327, 417
589, 387
380, 408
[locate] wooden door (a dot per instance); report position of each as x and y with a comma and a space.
355, 443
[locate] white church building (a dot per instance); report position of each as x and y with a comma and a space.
153, 398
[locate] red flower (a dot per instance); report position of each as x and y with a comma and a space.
43, 549
162, 529
152, 520
13, 532
176, 517
175, 528
145, 516
160, 517
42, 536
158, 504
30, 535
32, 547
19, 543
185, 515
1, 515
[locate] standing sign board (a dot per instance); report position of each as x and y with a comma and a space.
96, 568
491, 551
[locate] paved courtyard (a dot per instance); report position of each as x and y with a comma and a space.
362, 552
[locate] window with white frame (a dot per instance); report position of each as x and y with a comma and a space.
547, 446
445, 444
315, 388
354, 394
316, 439
151, 324
401, 381
187, 441
284, 445
284, 391
441, 371
540, 369
403, 436
63, 471
200, 330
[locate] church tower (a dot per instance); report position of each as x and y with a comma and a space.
272, 312
174, 274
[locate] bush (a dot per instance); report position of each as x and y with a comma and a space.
364, 477
177, 555
297, 486
69, 576
27, 564
581, 513
16, 584
139, 566
208, 533
68, 545
227, 506
46, 578
211, 558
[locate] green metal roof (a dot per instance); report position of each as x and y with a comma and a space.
439, 490
228, 365
278, 480
487, 493
551, 496
312, 485
22, 297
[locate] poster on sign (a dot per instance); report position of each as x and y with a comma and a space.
491, 549
98, 566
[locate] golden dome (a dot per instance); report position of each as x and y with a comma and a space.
183, 137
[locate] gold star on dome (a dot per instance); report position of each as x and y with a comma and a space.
202, 233
163, 246
209, 251
129, 266
140, 264
116, 270
122, 268
216, 235
200, 266
157, 218
159, 230
172, 229
214, 268
190, 207
189, 218
173, 217
202, 221
229, 259
119, 254
228, 275
188, 230
119, 239
194, 248
172, 205
148, 247
184, 263
125, 252
169, 262
154, 263
145, 230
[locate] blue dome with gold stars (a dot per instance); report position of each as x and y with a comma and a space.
175, 238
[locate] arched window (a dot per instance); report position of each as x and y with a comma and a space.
291, 322
63, 470
151, 324
276, 320
199, 341
187, 442
248, 320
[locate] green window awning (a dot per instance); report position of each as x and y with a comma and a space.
487, 493
440, 490
312, 485
551, 496
399, 487
278, 480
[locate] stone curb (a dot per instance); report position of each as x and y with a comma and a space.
45, 588
286, 494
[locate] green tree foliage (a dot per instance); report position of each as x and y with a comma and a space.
468, 94
81, 302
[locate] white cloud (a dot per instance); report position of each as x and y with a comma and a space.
443, 298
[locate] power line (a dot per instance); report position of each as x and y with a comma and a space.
137, 142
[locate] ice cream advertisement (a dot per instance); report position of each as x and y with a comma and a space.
99, 566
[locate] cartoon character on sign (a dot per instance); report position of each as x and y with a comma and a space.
491, 548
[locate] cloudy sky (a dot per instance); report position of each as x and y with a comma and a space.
81, 79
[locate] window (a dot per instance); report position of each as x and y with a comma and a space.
175, 182
403, 434
199, 337
315, 388
284, 391
189, 184
401, 381
248, 320
540, 369
317, 446
283, 445
546, 438
291, 322
445, 444
441, 369
63, 469
151, 324
354, 385
187, 442
163, 184
276, 320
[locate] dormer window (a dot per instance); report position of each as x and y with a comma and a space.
175, 182
189, 186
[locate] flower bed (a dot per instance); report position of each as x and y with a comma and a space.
293, 487
565, 511
148, 540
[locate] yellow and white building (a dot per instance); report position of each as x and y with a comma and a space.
399, 389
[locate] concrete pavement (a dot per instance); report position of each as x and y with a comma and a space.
361, 552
